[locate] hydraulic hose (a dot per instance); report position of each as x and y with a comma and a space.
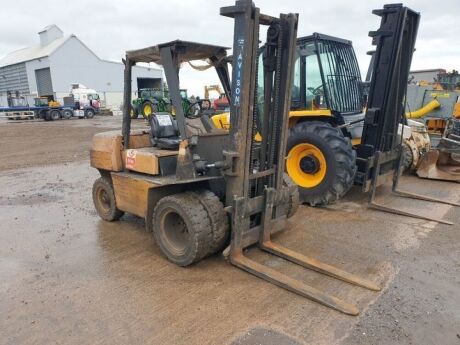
429, 107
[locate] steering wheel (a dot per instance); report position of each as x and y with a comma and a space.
195, 109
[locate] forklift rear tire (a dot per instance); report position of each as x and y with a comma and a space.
218, 217
321, 161
182, 229
104, 200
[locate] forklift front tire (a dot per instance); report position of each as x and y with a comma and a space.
104, 200
182, 229
217, 216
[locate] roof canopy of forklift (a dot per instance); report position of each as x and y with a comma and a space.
184, 51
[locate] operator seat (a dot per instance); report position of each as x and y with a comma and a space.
164, 132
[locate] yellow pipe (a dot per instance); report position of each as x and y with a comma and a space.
424, 110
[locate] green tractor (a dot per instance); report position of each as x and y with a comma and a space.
150, 101
154, 100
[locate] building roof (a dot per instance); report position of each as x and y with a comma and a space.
41, 51
35, 52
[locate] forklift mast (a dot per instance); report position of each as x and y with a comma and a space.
255, 163
252, 166
380, 148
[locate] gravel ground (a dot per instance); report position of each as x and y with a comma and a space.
67, 277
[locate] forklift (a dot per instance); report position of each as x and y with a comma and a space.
199, 188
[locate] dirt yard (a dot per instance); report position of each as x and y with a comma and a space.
67, 277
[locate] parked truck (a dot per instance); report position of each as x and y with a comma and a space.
85, 101
45, 108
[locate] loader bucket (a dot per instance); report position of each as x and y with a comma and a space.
438, 165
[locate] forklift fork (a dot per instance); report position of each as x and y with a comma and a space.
395, 190
269, 274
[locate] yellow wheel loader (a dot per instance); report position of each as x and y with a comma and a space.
325, 118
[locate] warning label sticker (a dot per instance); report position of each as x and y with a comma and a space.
164, 120
130, 159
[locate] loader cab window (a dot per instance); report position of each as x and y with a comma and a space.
307, 88
295, 94
313, 83
313, 94
342, 78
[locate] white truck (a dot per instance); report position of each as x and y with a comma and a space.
86, 101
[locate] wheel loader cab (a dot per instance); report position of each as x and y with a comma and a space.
327, 80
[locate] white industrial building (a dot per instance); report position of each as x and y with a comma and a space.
50, 67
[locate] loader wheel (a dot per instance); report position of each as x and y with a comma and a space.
182, 229
218, 217
321, 161
104, 200
147, 109
133, 114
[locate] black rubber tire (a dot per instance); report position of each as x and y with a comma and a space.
89, 113
218, 217
153, 107
182, 210
47, 116
406, 159
67, 114
294, 200
54, 115
42, 114
108, 212
340, 159
133, 113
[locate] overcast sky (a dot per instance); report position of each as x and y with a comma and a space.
111, 27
